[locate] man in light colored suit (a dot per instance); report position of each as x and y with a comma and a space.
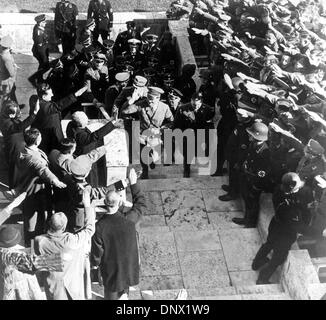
33, 166
74, 249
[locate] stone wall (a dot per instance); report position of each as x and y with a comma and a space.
299, 277
179, 30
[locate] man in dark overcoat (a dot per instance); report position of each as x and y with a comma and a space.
114, 244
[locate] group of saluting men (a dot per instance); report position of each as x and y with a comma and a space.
267, 71
266, 77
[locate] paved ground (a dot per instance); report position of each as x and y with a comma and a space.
30, 6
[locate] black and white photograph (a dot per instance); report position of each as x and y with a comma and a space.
170, 150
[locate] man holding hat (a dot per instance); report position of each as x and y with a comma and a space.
65, 24
256, 178
291, 202
101, 11
152, 114
40, 48
131, 94
8, 69
122, 79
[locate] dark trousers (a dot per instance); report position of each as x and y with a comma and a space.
278, 241
251, 193
109, 295
36, 210
100, 32
224, 131
234, 179
41, 53
68, 40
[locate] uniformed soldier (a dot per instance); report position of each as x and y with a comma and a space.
256, 178
121, 42
207, 88
228, 106
174, 100
193, 115
8, 70
150, 46
151, 75
65, 24
135, 55
101, 11
152, 114
312, 163
127, 97
291, 202
86, 36
113, 92
236, 152
40, 48
185, 83
107, 49
97, 77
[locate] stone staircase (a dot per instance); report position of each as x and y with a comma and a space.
187, 240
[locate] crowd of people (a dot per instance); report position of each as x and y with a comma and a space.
265, 82
267, 71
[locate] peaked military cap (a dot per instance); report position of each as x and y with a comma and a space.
90, 22
134, 42
155, 91
175, 93
139, 81
40, 18
122, 76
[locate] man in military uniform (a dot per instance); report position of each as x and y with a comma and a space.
65, 24
150, 46
312, 163
236, 152
113, 92
40, 48
153, 113
135, 56
101, 11
86, 36
207, 88
193, 115
8, 70
228, 106
256, 177
127, 97
121, 42
97, 77
174, 100
291, 201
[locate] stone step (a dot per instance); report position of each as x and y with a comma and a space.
193, 183
226, 293
259, 289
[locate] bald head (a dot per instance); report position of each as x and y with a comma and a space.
113, 201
